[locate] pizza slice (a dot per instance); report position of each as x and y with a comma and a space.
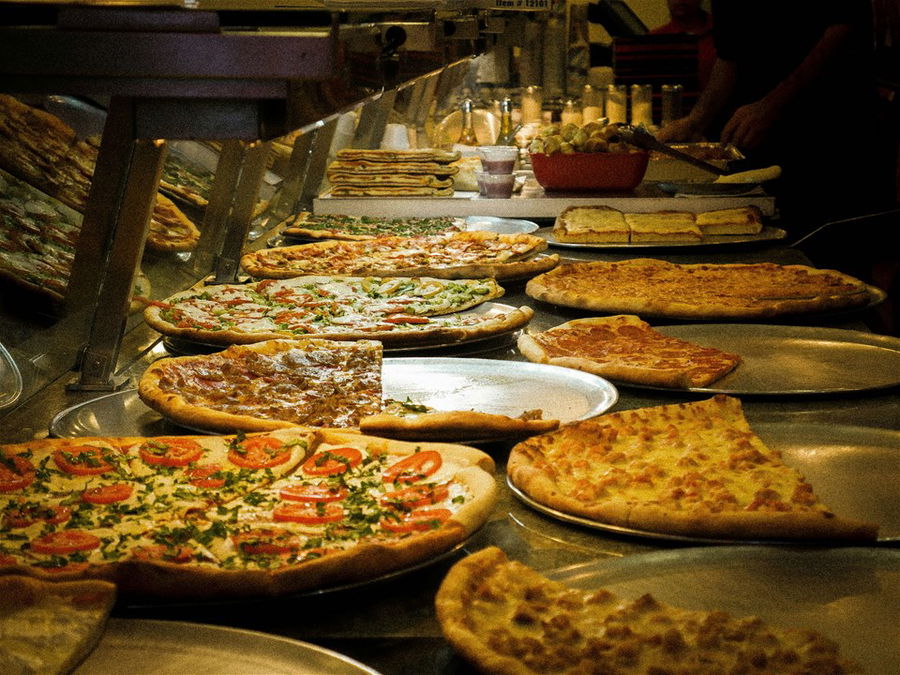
688, 469
627, 349
590, 225
505, 617
48, 627
737, 220
662, 226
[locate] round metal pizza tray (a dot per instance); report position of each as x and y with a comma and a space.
767, 234
176, 647
854, 470
781, 360
851, 595
486, 385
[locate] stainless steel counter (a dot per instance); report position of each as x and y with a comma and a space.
390, 624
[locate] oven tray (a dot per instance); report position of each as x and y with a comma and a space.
793, 360
851, 595
155, 647
855, 470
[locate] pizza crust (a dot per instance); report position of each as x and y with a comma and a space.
453, 424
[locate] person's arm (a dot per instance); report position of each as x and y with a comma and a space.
751, 123
711, 101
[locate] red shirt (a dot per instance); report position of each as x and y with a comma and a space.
706, 48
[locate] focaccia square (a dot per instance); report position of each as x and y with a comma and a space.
739, 220
662, 226
591, 224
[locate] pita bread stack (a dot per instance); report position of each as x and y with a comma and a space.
392, 173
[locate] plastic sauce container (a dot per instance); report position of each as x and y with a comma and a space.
495, 185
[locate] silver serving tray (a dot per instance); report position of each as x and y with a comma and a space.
855, 470
851, 595
143, 646
767, 234
485, 385
793, 360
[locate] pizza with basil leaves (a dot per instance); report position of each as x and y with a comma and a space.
198, 517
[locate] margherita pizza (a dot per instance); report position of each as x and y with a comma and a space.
459, 255
694, 469
219, 516
646, 286
505, 617
624, 348
396, 311
305, 225
312, 382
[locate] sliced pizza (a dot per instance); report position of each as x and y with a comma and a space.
505, 617
398, 310
50, 627
305, 225
627, 349
458, 255
693, 469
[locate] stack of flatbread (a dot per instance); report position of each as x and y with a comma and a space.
393, 173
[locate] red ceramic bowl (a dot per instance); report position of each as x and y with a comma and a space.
590, 170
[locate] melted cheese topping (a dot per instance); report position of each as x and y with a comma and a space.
686, 457
549, 628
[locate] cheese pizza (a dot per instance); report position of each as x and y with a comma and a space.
505, 617
50, 627
649, 287
627, 349
396, 311
688, 469
458, 255
229, 516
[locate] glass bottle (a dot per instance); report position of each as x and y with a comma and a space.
641, 105
504, 135
467, 135
616, 103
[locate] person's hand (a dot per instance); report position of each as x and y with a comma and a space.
683, 129
750, 125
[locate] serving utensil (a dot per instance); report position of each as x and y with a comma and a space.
641, 138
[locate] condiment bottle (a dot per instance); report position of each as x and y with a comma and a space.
467, 135
504, 136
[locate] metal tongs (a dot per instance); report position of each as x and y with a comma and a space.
641, 138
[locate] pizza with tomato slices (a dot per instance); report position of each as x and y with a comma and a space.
225, 516
458, 255
396, 311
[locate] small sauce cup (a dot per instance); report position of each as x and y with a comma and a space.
495, 185
498, 159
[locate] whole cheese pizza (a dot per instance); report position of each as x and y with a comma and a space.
459, 255
305, 225
688, 469
50, 627
625, 348
645, 286
396, 311
324, 383
505, 617
228, 516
